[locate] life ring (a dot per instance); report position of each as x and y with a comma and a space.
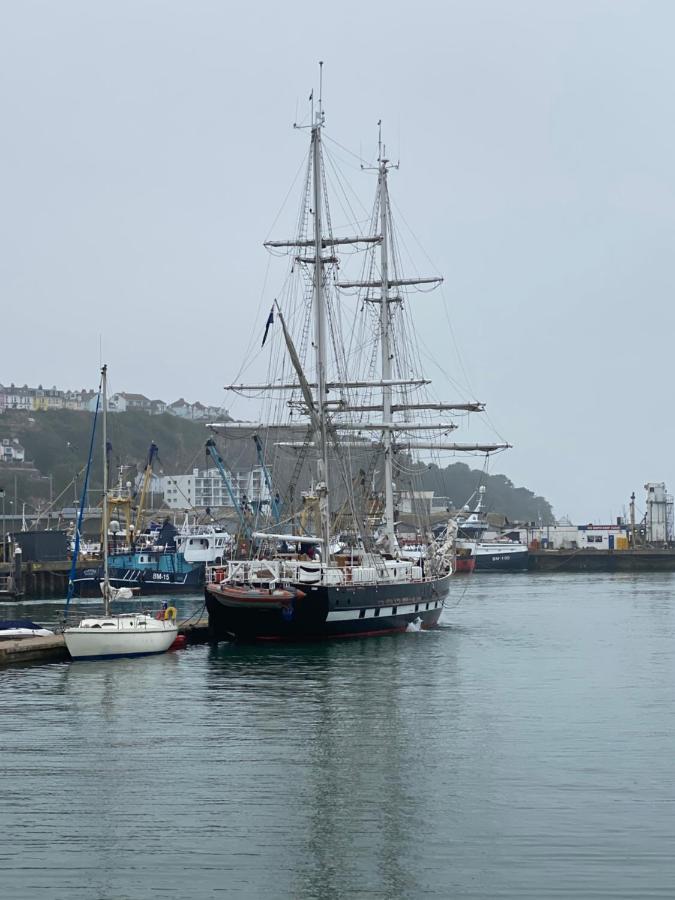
170, 614
219, 575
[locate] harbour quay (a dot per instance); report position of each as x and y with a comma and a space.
647, 559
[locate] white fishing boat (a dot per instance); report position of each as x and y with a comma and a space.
120, 634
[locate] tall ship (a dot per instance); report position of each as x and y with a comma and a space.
346, 404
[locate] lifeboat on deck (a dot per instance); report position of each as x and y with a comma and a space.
254, 598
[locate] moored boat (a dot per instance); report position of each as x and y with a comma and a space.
294, 600
122, 634
465, 560
160, 569
19, 629
491, 554
305, 584
499, 556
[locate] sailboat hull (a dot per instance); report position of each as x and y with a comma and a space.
320, 612
119, 636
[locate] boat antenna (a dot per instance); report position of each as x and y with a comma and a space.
320, 114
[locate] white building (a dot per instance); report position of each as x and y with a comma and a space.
205, 488
578, 537
11, 451
116, 403
418, 503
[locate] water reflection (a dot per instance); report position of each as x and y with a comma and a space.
524, 750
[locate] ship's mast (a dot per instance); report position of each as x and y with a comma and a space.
390, 531
106, 576
320, 336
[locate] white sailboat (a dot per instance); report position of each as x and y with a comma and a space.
122, 634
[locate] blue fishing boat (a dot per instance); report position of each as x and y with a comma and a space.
172, 562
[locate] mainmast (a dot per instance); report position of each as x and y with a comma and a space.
320, 337
106, 577
389, 528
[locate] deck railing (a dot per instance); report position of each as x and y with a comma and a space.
270, 573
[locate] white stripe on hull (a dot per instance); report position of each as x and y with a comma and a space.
349, 615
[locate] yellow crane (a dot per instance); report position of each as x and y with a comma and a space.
147, 477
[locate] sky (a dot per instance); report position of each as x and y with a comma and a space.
147, 148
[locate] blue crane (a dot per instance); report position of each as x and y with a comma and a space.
212, 450
275, 500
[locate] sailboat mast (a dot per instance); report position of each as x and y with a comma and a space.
320, 335
386, 355
106, 577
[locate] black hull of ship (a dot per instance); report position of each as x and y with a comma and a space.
322, 612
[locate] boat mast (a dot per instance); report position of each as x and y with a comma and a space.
320, 334
385, 330
106, 577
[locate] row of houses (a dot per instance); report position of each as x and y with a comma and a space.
34, 399
37, 399
124, 402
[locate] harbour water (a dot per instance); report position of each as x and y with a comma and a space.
522, 750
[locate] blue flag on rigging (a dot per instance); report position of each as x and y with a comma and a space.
270, 321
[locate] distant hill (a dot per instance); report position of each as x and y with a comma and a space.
57, 442
458, 482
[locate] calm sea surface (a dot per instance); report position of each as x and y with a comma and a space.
524, 750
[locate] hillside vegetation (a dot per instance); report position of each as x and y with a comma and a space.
57, 442
458, 482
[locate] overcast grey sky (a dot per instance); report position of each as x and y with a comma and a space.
147, 147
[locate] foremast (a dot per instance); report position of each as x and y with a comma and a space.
320, 338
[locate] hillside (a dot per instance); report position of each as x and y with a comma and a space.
458, 482
57, 442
